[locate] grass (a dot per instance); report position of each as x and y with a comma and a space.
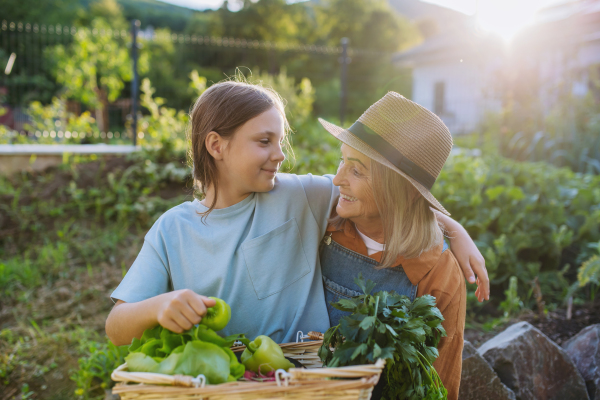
66, 239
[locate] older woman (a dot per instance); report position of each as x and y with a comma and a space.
384, 225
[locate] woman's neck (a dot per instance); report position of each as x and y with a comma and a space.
371, 228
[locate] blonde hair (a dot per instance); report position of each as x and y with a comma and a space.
224, 108
410, 227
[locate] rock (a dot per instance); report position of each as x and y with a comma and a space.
583, 350
533, 366
478, 380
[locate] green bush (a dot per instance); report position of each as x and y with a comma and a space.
528, 219
93, 376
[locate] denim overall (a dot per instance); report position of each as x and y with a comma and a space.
340, 266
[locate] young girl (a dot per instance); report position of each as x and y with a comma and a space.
252, 241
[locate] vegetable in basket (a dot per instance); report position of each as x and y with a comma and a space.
218, 316
389, 326
199, 350
263, 355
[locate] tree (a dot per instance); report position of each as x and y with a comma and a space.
93, 68
369, 24
62, 12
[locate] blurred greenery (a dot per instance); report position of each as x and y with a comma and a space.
81, 223
563, 131
93, 68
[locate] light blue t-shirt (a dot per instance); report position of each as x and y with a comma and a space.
259, 255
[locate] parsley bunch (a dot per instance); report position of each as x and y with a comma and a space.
389, 326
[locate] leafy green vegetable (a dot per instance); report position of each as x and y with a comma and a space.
140, 362
199, 350
204, 358
389, 326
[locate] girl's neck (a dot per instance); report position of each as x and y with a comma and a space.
371, 228
227, 196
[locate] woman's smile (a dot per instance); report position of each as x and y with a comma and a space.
347, 198
356, 195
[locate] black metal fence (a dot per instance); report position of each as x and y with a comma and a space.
346, 80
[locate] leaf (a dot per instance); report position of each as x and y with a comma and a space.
361, 349
391, 330
423, 304
367, 286
367, 323
349, 326
151, 346
204, 358
493, 192
140, 362
236, 369
376, 351
135, 345
343, 353
168, 365
205, 334
345, 305
387, 353
150, 334
170, 341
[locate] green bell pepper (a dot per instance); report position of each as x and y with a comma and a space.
217, 317
264, 354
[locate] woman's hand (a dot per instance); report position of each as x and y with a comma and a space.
468, 256
182, 309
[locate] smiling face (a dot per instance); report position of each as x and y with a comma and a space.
356, 201
254, 154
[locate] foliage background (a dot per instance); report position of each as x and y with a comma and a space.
68, 235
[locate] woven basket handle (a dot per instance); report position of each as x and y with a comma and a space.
121, 375
358, 371
315, 335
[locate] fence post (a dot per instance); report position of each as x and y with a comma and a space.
135, 25
344, 78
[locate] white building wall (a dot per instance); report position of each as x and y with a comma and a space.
467, 92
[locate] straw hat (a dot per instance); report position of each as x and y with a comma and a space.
404, 137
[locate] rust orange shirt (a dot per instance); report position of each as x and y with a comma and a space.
439, 275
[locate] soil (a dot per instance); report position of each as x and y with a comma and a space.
555, 325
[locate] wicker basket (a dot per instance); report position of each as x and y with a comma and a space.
313, 383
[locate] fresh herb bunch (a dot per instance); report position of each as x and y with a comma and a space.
389, 326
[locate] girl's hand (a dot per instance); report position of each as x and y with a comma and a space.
470, 260
182, 309
468, 256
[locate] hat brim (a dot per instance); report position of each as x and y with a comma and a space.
347, 137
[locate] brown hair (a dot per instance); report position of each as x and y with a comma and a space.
223, 108
409, 225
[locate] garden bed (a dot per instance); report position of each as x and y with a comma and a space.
555, 325
38, 157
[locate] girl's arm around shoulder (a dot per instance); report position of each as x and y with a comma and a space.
177, 311
467, 254
322, 195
